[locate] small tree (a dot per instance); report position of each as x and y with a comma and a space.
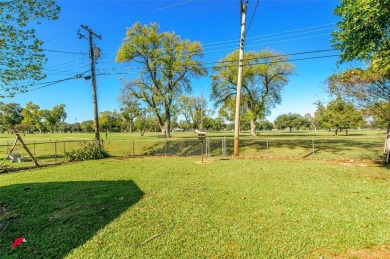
339, 114
11, 115
290, 121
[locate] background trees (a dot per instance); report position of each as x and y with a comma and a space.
339, 115
265, 73
11, 115
54, 116
290, 121
167, 65
364, 35
20, 50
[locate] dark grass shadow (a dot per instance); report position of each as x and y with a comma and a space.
57, 217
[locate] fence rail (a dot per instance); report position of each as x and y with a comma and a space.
52, 152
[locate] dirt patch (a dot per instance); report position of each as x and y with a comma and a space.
381, 252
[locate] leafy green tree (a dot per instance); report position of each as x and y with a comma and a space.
21, 54
265, 73
192, 109
364, 89
54, 116
129, 110
33, 117
167, 62
290, 121
76, 127
145, 121
364, 33
87, 126
11, 115
265, 125
339, 114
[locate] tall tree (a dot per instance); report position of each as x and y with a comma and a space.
290, 121
32, 116
339, 114
364, 33
167, 62
21, 54
193, 109
364, 89
54, 116
265, 74
11, 115
129, 110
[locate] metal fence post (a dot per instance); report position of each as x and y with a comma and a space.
133, 146
267, 149
34, 147
7, 147
55, 151
166, 144
223, 147
64, 147
312, 140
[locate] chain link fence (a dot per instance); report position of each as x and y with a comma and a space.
53, 152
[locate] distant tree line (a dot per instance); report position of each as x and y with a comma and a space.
189, 113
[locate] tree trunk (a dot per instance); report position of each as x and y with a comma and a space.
253, 128
346, 131
290, 129
337, 130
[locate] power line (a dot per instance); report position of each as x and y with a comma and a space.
253, 16
270, 38
64, 52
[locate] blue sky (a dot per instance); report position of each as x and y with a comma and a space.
288, 26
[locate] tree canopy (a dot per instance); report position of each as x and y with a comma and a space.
364, 33
338, 115
167, 62
265, 73
21, 55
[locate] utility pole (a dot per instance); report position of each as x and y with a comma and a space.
243, 8
93, 75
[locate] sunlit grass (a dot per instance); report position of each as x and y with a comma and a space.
177, 207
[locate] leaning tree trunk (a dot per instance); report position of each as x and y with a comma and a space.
253, 128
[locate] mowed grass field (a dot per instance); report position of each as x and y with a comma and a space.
359, 144
180, 208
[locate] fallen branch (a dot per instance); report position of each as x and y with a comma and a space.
150, 239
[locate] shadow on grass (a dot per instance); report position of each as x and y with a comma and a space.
57, 217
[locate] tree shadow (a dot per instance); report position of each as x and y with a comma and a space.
57, 217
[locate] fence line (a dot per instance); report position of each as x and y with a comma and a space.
50, 152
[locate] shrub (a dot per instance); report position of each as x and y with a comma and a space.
90, 151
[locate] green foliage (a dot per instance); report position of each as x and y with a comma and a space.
168, 64
290, 121
339, 114
20, 50
265, 73
10, 115
364, 33
366, 90
54, 116
90, 151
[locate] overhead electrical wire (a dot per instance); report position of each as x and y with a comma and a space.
253, 16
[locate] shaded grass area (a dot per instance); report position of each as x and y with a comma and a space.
56, 217
230, 208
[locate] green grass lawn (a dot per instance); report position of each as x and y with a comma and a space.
177, 207
359, 144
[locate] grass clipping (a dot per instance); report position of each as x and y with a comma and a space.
90, 151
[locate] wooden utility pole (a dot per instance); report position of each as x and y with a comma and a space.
93, 76
243, 8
